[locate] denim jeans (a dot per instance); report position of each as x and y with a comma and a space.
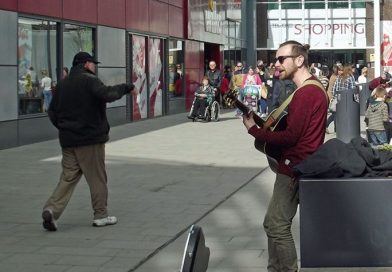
47, 98
378, 137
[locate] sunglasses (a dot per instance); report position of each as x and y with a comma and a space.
282, 58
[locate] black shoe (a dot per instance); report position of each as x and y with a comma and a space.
49, 222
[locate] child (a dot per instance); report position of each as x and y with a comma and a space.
203, 96
377, 115
388, 127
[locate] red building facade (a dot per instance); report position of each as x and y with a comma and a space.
138, 41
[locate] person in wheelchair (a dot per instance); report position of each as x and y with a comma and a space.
204, 97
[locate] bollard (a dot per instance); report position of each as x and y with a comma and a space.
346, 222
364, 95
347, 115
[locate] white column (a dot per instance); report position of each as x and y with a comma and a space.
377, 39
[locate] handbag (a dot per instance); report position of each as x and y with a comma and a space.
332, 104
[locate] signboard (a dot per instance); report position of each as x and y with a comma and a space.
315, 28
386, 46
233, 10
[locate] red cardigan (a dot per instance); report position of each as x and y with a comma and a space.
305, 131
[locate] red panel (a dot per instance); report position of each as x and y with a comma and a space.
159, 17
111, 13
42, 7
9, 5
194, 62
192, 54
83, 11
176, 22
178, 3
192, 81
137, 14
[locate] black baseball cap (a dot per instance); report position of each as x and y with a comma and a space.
83, 57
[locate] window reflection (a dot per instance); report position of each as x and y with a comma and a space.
76, 38
176, 69
37, 60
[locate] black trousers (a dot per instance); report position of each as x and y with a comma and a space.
199, 108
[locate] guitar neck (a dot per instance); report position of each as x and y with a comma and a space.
246, 111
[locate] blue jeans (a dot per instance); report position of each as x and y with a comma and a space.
378, 137
47, 99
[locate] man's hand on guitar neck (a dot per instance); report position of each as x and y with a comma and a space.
248, 120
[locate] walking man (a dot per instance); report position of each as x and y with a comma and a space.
304, 133
78, 111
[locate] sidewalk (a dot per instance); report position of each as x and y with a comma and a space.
164, 175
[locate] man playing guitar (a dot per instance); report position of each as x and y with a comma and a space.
302, 136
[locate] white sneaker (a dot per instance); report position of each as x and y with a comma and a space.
110, 220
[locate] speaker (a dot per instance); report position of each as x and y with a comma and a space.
196, 254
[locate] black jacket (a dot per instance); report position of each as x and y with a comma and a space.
214, 78
335, 159
78, 108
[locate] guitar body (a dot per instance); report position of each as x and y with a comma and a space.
273, 152
276, 121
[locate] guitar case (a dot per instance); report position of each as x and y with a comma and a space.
196, 254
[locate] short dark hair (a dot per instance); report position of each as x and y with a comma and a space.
298, 49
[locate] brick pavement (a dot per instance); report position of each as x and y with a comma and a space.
164, 175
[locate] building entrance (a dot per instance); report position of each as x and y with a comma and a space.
329, 58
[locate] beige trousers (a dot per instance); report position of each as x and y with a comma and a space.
77, 161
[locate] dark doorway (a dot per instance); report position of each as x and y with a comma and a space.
211, 52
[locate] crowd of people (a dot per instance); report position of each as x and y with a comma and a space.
272, 91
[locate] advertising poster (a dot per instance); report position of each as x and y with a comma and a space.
155, 80
386, 46
139, 102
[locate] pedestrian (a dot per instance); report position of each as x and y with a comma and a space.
65, 71
335, 73
323, 79
344, 81
215, 80
236, 83
46, 84
303, 135
78, 111
363, 78
262, 71
377, 117
203, 97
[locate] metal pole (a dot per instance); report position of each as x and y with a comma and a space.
251, 32
377, 38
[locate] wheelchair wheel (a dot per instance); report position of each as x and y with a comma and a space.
215, 110
207, 115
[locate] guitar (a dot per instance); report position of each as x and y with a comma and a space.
275, 121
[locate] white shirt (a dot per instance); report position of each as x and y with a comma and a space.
46, 83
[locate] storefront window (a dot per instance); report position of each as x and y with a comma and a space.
37, 64
176, 69
76, 38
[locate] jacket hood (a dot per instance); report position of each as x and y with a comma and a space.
376, 105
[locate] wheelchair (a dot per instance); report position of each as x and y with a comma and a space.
211, 113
